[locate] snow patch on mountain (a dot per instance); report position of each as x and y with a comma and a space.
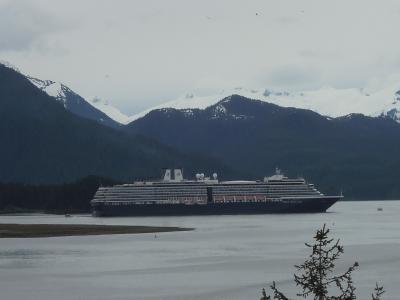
220, 109
188, 113
392, 110
52, 88
111, 111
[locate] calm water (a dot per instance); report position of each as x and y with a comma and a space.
226, 257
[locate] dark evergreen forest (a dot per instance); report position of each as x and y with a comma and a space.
64, 198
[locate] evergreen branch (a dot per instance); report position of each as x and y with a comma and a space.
278, 295
378, 292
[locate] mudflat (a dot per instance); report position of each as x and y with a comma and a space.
53, 230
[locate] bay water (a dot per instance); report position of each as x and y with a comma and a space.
225, 257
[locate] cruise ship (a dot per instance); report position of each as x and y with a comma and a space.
173, 196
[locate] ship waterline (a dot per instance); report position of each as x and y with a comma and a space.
205, 196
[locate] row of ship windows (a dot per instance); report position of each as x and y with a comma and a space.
194, 202
167, 195
202, 191
156, 187
196, 184
151, 190
189, 195
204, 186
186, 202
263, 188
265, 191
195, 187
216, 197
151, 195
179, 193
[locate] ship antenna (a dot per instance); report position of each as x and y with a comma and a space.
277, 171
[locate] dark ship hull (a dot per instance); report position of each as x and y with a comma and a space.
281, 206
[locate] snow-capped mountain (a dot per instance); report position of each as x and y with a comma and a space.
64, 94
111, 111
73, 102
325, 101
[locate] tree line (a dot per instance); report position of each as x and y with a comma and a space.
64, 198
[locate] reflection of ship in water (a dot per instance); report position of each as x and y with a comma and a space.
174, 195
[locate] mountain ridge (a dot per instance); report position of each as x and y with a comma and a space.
255, 137
325, 101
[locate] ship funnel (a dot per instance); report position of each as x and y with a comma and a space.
178, 176
167, 175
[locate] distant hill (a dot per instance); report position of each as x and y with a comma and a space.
42, 142
356, 154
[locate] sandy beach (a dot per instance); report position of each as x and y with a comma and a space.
52, 230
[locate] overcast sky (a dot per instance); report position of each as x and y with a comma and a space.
140, 53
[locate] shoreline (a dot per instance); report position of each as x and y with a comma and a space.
59, 230
60, 212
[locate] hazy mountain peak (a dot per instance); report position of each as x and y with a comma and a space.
70, 100
327, 101
111, 111
9, 65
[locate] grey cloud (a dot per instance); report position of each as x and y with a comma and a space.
155, 51
287, 20
24, 25
307, 53
293, 76
323, 55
